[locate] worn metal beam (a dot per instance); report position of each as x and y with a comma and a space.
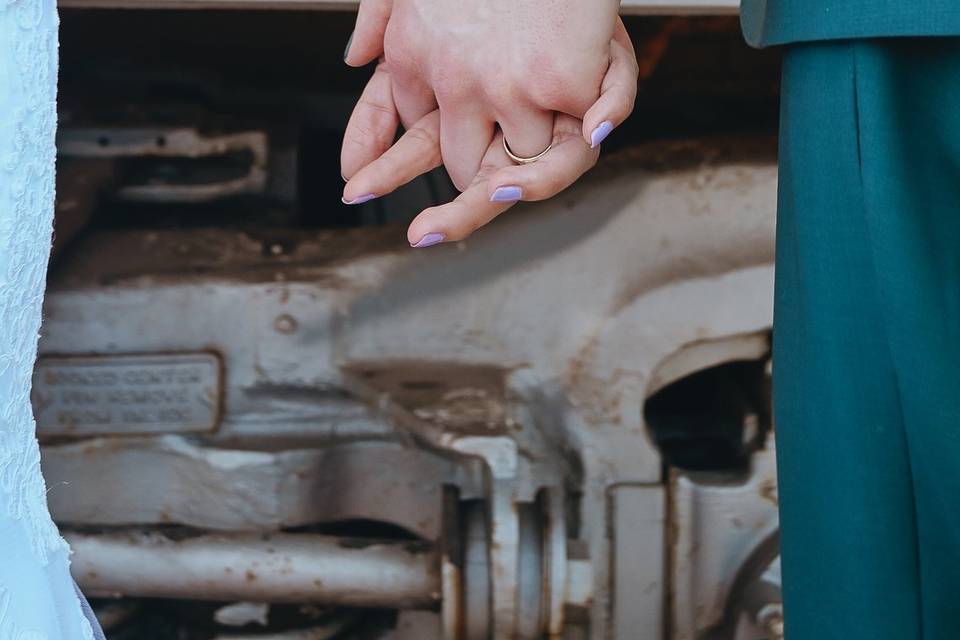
258, 568
628, 7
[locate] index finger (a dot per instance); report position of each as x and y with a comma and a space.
470, 210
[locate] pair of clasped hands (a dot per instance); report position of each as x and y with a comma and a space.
460, 76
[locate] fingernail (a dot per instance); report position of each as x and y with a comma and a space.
509, 193
346, 51
600, 133
429, 240
359, 199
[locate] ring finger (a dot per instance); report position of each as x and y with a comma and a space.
528, 131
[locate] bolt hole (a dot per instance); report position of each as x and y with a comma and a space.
103, 141
161, 141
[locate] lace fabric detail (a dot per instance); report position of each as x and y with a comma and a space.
26, 223
28, 68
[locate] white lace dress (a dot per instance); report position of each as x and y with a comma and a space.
38, 600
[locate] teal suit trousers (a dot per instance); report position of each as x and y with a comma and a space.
867, 339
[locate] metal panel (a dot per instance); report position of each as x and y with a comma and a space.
162, 393
168, 480
638, 556
719, 524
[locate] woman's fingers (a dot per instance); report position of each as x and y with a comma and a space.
416, 152
456, 220
366, 42
569, 159
482, 201
618, 91
372, 126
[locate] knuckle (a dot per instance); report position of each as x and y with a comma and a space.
551, 82
396, 38
504, 94
423, 136
453, 81
376, 109
357, 136
365, 135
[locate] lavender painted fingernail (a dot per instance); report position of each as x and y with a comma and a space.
429, 240
509, 193
360, 199
600, 133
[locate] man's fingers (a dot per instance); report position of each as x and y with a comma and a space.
413, 98
528, 130
416, 152
617, 93
464, 139
372, 126
366, 43
569, 159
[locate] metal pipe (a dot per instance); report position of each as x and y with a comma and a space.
258, 568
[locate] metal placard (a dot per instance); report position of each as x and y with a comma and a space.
136, 394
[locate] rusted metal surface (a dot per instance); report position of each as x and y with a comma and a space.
515, 363
263, 568
758, 609
118, 142
169, 480
720, 523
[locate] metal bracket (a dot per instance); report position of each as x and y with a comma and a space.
159, 142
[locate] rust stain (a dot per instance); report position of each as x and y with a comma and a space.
768, 491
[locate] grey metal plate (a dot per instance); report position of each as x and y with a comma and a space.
129, 394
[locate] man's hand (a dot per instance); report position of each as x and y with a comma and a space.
484, 63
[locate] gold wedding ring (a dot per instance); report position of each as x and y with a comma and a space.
519, 160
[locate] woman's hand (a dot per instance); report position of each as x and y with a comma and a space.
511, 63
497, 185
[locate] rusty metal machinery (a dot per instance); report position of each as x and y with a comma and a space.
200, 410
262, 416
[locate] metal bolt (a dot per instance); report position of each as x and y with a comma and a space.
285, 324
770, 619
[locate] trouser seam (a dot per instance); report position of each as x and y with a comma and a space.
855, 48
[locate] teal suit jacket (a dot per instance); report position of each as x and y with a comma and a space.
769, 22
